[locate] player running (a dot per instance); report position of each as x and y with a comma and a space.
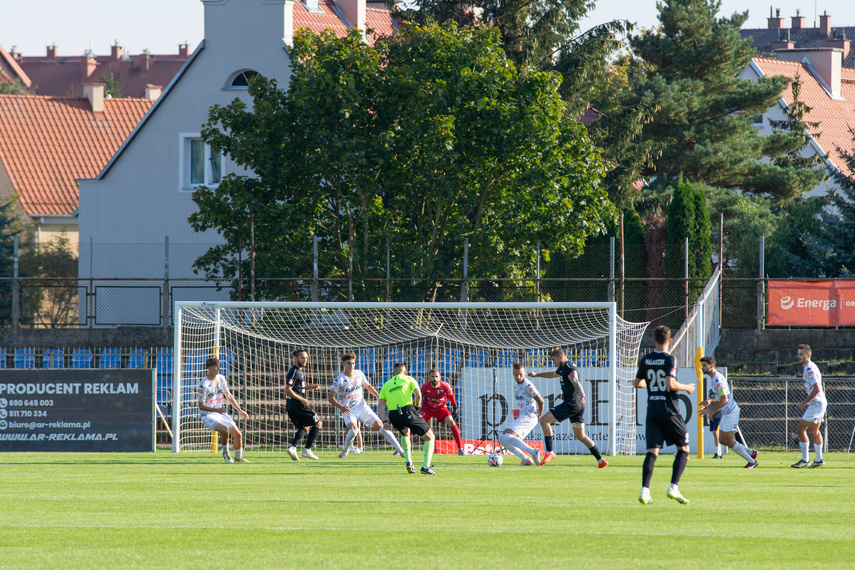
346, 395
572, 408
297, 406
212, 390
398, 393
725, 404
814, 406
530, 405
435, 394
658, 373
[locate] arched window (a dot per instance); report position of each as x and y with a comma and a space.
241, 80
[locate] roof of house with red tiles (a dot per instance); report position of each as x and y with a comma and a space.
61, 76
10, 71
46, 143
377, 20
836, 116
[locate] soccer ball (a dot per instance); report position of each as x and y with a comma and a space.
494, 460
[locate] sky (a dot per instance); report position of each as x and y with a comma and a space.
161, 25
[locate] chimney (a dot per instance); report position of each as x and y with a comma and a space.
89, 65
825, 64
841, 43
184, 50
782, 44
152, 92
51, 51
116, 52
313, 6
825, 25
95, 93
354, 12
777, 22
798, 22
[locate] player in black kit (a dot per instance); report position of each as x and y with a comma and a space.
658, 373
298, 408
572, 408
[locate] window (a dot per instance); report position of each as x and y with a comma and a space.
758, 120
241, 79
200, 165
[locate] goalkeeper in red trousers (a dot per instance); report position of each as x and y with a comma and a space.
435, 394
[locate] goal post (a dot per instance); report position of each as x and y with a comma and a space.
473, 345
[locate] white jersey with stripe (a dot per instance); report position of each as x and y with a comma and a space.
349, 389
722, 388
211, 393
812, 377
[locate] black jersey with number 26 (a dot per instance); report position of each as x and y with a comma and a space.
654, 368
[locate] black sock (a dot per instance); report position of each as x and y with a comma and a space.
647, 469
547, 442
680, 461
595, 452
298, 437
313, 435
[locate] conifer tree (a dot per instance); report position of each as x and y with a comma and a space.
702, 126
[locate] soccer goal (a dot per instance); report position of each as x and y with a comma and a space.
473, 345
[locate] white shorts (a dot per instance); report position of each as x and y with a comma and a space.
815, 411
212, 420
729, 422
363, 414
523, 425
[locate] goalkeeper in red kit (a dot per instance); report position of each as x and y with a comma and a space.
435, 394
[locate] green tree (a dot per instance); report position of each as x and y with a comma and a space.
702, 125
429, 138
9, 228
828, 244
13, 88
48, 302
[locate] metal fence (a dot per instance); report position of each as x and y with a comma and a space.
769, 416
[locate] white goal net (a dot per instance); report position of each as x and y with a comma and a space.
473, 345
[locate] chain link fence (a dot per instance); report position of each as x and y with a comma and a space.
769, 417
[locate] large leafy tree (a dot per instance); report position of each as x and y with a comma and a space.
430, 138
702, 124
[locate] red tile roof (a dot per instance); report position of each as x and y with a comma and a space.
318, 22
836, 117
65, 76
48, 142
10, 70
379, 23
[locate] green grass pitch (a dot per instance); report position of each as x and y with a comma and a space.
193, 510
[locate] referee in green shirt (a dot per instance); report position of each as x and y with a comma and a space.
397, 393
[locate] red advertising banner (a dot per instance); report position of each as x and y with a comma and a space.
448, 447
811, 304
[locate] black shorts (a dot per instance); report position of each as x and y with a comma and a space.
301, 416
565, 410
406, 417
666, 428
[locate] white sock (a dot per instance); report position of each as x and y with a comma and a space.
238, 453
817, 447
509, 444
645, 491
743, 452
349, 438
393, 441
519, 443
805, 446
673, 487
718, 449
225, 449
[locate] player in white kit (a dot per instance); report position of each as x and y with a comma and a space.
530, 404
730, 412
212, 391
814, 406
346, 395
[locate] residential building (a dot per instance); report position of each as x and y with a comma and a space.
827, 88
144, 194
125, 75
47, 143
778, 36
